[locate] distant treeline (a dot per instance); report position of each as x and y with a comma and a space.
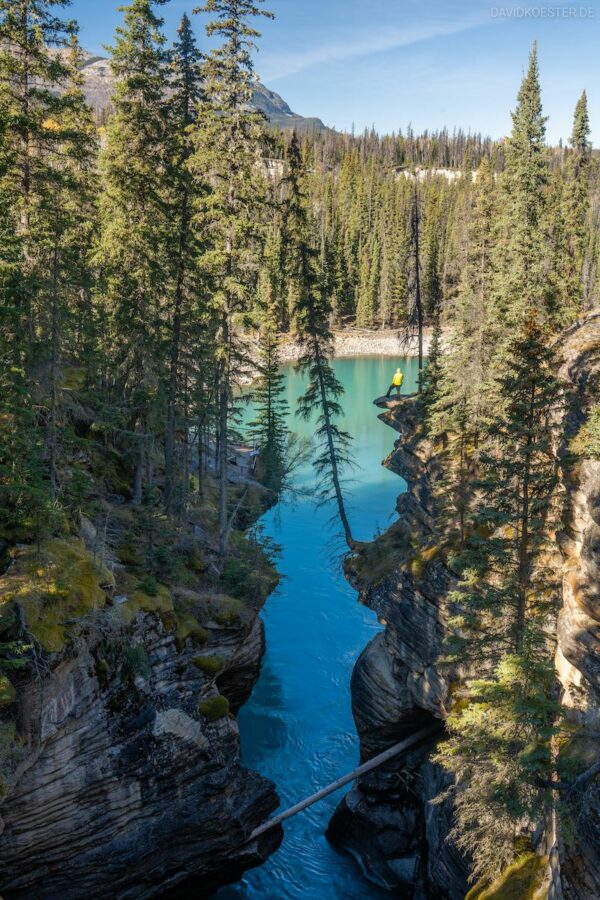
374, 198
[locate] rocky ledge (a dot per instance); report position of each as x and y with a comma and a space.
120, 769
388, 821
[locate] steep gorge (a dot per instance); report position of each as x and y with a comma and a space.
389, 821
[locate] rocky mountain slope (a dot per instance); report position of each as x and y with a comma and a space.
389, 821
99, 87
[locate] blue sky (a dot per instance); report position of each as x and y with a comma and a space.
429, 63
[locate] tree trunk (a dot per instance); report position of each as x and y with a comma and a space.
524, 573
138, 478
54, 349
223, 442
418, 300
174, 361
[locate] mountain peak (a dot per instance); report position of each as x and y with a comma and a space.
99, 86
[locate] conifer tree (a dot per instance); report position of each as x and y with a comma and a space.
135, 248
185, 191
34, 74
417, 312
506, 599
269, 427
458, 412
313, 309
68, 212
228, 153
576, 211
500, 744
521, 258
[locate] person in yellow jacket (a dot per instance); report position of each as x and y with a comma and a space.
396, 384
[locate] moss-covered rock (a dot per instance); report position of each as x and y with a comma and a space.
55, 588
523, 880
210, 665
379, 560
189, 627
160, 603
214, 708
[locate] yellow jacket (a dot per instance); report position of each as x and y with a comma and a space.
398, 379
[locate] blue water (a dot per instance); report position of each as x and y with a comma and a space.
297, 728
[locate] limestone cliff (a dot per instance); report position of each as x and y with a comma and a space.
388, 821
120, 767
578, 632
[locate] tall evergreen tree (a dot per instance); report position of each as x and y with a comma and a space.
185, 191
135, 247
313, 308
68, 214
521, 259
269, 427
458, 412
500, 745
228, 152
40, 140
576, 211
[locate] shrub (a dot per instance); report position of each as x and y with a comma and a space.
135, 663
148, 585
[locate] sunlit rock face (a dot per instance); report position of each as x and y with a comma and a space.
578, 632
388, 821
122, 789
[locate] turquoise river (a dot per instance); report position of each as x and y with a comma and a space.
297, 728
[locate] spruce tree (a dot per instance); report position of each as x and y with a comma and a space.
500, 744
68, 214
37, 159
269, 429
521, 259
505, 601
458, 412
312, 313
576, 208
185, 192
135, 247
228, 153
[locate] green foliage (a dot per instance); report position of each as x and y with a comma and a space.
268, 429
135, 663
55, 589
500, 751
214, 708
148, 585
587, 441
495, 414
249, 572
227, 146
